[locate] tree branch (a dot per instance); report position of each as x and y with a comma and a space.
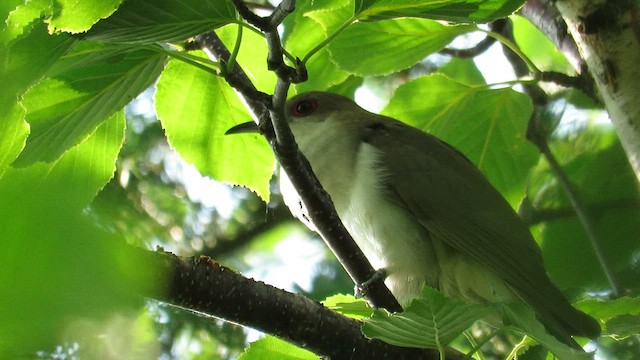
608, 35
537, 136
479, 48
203, 286
273, 125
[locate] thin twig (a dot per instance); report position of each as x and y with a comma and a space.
583, 215
538, 137
479, 48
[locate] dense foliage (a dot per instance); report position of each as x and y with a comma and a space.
83, 167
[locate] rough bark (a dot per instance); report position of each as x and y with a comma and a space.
608, 36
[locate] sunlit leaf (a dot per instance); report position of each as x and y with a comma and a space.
28, 58
487, 125
76, 177
77, 16
382, 47
348, 305
196, 109
23, 18
273, 348
538, 47
307, 32
14, 132
463, 71
56, 265
452, 10
63, 110
144, 21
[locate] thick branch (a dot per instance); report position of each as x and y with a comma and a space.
204, 286
546, 17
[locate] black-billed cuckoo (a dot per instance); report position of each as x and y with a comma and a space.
421, 211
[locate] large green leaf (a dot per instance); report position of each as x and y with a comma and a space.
383, 47
77, 16
600, 173
487, 125
23, 61
56, 266
538, 47
432, 321
252, 56
28, 58
452, 10
146, 21
76, 177
85, 90
196, 108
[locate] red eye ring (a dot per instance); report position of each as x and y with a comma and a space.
304, 107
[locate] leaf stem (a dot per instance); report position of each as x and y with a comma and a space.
236, 49
200, 63
328, 39
513, 47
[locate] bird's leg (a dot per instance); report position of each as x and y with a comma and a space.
362, 290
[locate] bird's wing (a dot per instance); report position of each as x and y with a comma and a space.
458, 205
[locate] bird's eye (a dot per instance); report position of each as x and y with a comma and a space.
304, 107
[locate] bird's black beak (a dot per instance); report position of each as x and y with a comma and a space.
248, 127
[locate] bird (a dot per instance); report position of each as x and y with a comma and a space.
422, 212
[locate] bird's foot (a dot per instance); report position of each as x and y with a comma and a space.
362, 290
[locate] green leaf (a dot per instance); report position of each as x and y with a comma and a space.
524, 319
272, 348
74, 179
22, 63
348, 305
538, 47
383, 47
432, 321
487, 125
252, 56
14, 132
605, 310
463, 71
56, 266
196, 109
451, 10
623, 325
23, 18
304, 35
146, 21
596, 164
27, 59
63, 110
78, 16
329, 14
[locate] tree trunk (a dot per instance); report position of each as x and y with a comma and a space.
608, 36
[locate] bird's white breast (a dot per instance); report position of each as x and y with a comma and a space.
390, 238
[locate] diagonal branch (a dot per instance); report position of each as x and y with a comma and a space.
207, 288
273, 125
